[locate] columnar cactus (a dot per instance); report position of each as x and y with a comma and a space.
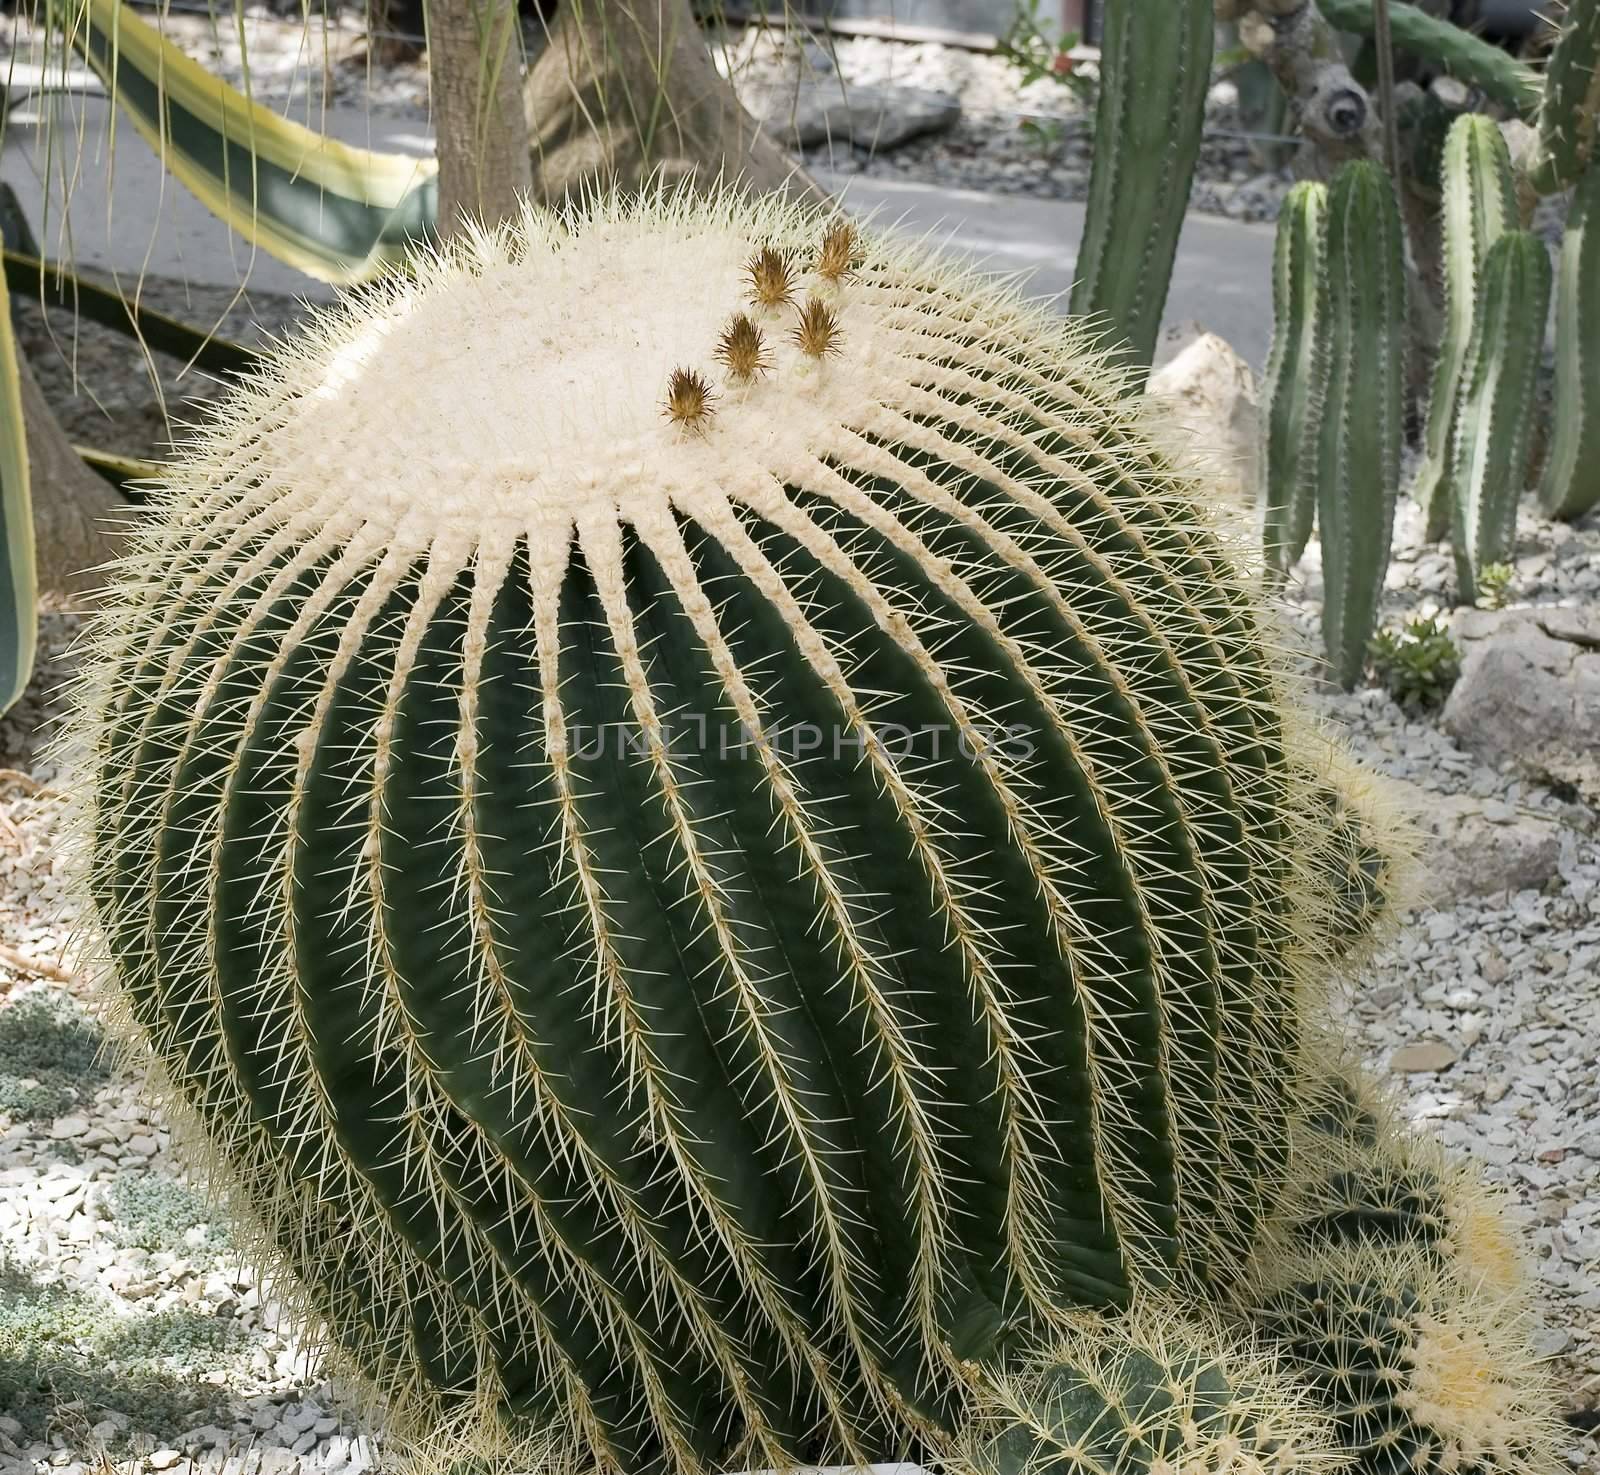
1288, 409
1495, 405
1569, 105
1361, 398
1571, 481
1479, 205
746, 861
1155, 71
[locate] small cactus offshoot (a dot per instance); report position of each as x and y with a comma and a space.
771, 277
689, 399
1363, 1178
816, 332
1147, 1392
1423, 1374
742, 349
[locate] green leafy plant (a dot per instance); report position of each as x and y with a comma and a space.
1417, 664
51, 1056
1042, 54
156, 1212
1494, 584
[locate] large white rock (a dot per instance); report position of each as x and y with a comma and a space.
807, 111
1214, 408
1529, 694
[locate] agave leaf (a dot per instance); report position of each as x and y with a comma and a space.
18, 582
58, 286
338, 213
125, 473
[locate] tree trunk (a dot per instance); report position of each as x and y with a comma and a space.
475, 78
75, 513
624, 92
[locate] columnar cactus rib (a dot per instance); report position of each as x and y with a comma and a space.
1494, 421
1479, 205
1361, 420
1569, 108
1570, 484
1288, 493
1155, 71
726, 922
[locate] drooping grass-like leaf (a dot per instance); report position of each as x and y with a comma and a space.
18, 581
338, 213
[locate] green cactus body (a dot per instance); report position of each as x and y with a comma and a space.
1570, 484
1362, 374
1479, 205
724, 914
1363, 1178
1144, 1394
1155, 71
1570, 104
1420, 1372
1288, 494
1450, 47
1495, 411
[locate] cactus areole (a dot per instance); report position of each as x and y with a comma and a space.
686, 920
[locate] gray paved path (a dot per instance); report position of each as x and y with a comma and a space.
147, 221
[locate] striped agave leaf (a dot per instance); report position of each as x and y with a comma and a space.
17, 574
338, 213
57, 285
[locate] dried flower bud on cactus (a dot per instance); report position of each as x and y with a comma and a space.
742, 348
771, 277
838, 252
688, 401
816, 331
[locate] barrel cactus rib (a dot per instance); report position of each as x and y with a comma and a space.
1134, 786
887, 1025
1131, 705
417, 929
879, 516
1479, 206
533, 1074
717, 1101
1121, 558
1570, 484
721, 1170
190, 1025
1029, 1140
